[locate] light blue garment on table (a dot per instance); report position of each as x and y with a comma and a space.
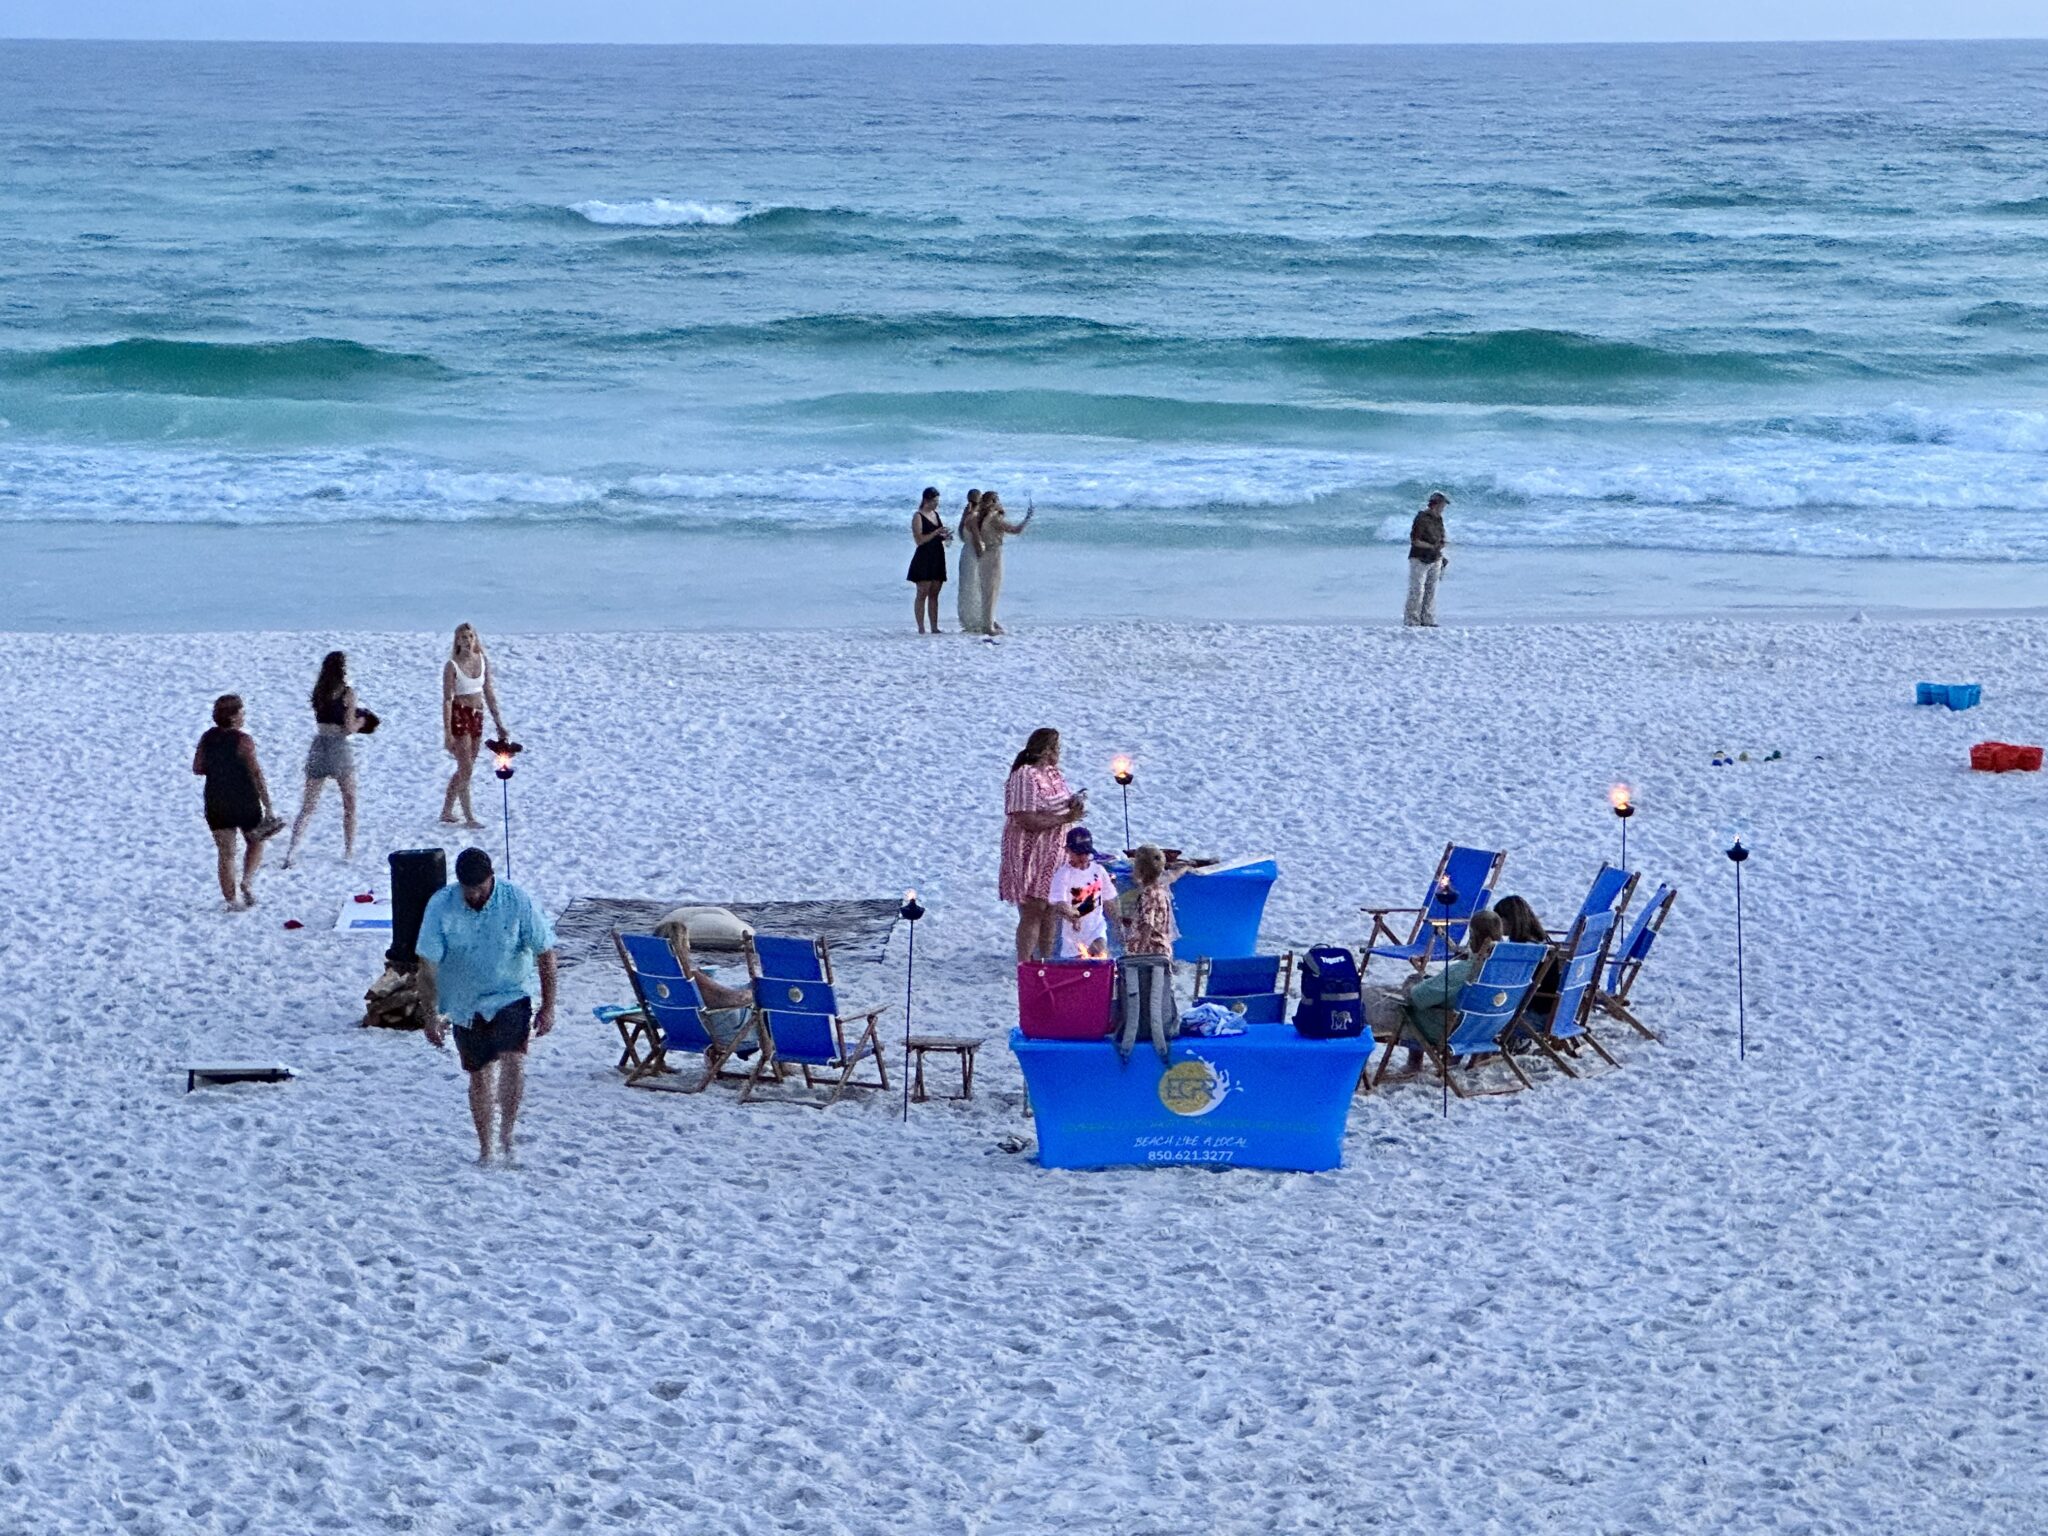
484, 956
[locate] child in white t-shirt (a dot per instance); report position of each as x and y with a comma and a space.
1083, 898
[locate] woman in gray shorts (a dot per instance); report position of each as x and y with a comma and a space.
335, 719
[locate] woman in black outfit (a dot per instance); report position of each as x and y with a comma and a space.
237, 798
1522, 926
928, 564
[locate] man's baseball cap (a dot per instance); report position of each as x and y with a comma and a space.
472, 867
1080, 840
1439, 499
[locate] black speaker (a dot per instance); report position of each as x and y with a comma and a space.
416, 873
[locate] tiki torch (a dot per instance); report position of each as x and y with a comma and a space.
504, 750
1443, 898
910, 912
1621, 798
1739, 856
1121, 770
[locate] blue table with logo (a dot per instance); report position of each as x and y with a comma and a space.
1267, 1098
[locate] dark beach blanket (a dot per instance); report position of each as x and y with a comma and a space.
854, 930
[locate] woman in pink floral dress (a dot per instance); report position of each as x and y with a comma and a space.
1037, 807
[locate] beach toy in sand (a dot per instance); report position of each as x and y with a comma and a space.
2004, 757
1954, 695
366, 896
293, 922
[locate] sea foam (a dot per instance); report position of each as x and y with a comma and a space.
657, 213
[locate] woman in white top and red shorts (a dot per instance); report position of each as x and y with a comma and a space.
466, 692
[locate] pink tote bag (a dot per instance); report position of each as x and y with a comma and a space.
1065, 999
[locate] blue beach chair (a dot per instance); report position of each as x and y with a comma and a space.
1254, 987
1611, 891
1612, 999
1487, 1009
1561, 1032
804, 1024
670, 1018
1472, 873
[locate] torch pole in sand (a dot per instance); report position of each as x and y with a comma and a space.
504, 772
1622, 799
1121, 770
1444, 897
1739, 856
910, 912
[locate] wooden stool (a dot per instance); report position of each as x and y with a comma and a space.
957, 1045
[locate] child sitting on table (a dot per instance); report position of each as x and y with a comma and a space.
1147, 972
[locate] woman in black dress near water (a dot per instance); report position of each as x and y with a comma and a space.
237, 799
928, 564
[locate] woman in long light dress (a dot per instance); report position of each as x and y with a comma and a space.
973, 620
991, 528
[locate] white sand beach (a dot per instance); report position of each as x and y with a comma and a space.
1802, 1292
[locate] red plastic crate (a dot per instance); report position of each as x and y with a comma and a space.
2004, 757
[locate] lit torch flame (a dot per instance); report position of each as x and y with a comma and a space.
1619, 798
504, 761
1120, 768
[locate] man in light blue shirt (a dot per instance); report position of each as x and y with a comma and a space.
480, 939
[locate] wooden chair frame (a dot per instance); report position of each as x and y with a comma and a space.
867, 1044
1557, 1048
1379, 915
1444, 1061
1615, 1004
638, 1030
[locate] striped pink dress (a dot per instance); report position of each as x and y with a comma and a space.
1029, 857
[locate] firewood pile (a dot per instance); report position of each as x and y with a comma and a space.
393, 1001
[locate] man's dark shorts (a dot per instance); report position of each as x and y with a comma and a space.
482, 1041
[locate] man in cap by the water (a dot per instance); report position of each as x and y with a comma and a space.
1426, 562
479, 943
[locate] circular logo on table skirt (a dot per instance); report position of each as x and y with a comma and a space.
1193, 1087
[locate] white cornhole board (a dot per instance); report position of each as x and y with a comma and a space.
373, 917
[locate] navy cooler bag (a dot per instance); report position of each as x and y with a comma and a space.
1331, 1007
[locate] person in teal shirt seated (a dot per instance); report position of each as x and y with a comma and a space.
1422, 1005
480, 943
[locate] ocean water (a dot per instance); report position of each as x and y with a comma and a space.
1770, 299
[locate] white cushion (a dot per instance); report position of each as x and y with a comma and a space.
704, 928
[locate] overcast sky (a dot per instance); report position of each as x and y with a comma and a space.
1034, 21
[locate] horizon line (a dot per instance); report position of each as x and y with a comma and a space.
1618, 42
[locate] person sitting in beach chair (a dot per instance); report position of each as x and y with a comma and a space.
1419, 1006
1472, 1025
678, 1007
1521, 925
